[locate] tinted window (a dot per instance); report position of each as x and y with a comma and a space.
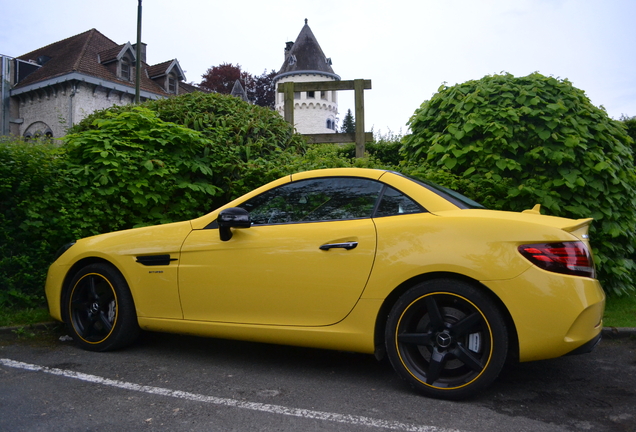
334, 198
395, 202
451, 195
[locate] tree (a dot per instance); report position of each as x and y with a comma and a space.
260, 89
221, 78
348, 124
537, 139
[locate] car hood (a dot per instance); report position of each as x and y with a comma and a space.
158, 239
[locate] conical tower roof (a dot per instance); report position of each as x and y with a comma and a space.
305, 56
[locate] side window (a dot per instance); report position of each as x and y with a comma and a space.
313, 200
395, 202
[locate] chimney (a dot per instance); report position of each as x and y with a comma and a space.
288, 47
143, 51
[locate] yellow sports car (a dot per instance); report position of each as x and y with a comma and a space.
347, 259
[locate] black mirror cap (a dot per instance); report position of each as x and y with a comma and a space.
233, 217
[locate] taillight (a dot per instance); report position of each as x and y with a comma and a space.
572, 258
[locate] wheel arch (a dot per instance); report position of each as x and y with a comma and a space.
75, 268
392, 298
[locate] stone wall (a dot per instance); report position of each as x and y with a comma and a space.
311, 114
57, 109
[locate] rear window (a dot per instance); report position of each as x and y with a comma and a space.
450, 195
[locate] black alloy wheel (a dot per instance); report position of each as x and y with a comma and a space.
446, 338
100, 312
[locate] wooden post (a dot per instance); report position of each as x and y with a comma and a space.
358, 87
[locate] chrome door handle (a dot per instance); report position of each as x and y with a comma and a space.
345, 245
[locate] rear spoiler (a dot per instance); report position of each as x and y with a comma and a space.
577, 225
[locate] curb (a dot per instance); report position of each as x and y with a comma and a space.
618, 332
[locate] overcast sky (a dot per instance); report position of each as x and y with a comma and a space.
407, 48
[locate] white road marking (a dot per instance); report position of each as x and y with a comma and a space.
254, 406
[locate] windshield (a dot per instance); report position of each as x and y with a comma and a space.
455, 197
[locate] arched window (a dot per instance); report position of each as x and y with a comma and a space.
329, 124
38, 131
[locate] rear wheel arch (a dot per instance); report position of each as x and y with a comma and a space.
446, 337
394, 296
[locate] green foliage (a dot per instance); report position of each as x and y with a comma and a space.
384, 148
620, 311
12, 316
129, 169
318, 156
236, 133
178, 158
348, 123
128, 166
531, 140
630, 125
25, 171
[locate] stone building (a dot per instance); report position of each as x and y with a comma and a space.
50, 89
314, 112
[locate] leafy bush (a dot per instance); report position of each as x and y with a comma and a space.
318, 156
630, 125
531, 140
25, 171
127, 166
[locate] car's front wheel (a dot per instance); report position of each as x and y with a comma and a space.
99, 309
446, 338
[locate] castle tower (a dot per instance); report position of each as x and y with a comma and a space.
314, 112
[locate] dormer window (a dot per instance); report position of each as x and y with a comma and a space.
172, 84
125, 69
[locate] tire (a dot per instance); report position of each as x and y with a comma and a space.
99, 309
446, 339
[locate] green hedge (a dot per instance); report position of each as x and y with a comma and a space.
536, 139
179, 158
131, 166
26, 169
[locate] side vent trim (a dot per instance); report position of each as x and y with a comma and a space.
155, 260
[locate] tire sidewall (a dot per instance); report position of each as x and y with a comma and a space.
125, 329
484, 305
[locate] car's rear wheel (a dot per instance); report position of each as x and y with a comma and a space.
100, 312
446, 338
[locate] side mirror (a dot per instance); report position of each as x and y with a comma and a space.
232, 217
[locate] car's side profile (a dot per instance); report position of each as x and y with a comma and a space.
347, 259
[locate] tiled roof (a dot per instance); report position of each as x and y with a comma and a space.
159, 69
110, 54
306, 55
82, 53
184, 87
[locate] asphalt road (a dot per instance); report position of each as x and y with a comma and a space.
171, 382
